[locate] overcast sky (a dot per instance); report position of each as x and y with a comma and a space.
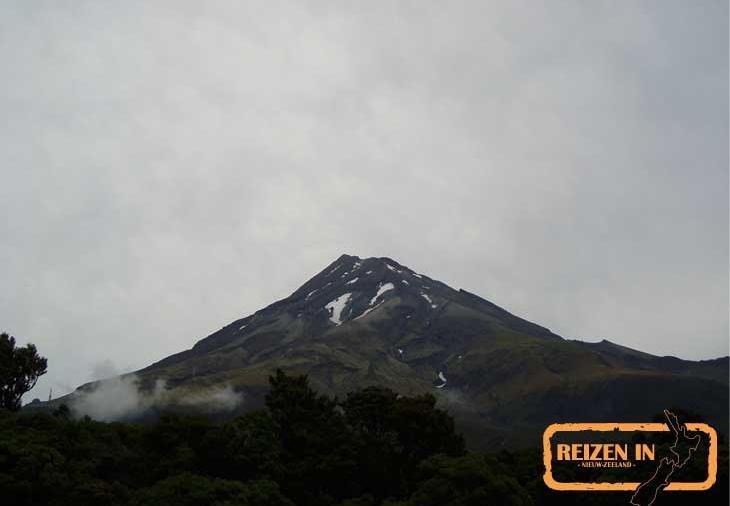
168, 167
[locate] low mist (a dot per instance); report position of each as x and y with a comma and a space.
121, 398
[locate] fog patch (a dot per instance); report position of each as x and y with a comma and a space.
104, 369
213, 399
121, 398
451, 397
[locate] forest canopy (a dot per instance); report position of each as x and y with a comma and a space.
374, 447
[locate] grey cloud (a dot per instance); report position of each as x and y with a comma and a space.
168, 167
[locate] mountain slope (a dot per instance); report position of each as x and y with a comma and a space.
372, 321
356, 323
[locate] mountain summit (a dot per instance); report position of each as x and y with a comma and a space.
358, 322
364, 322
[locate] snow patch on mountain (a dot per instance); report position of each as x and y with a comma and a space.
428, 299
368, 311
354, 280
336, 306
381, 290
442, 378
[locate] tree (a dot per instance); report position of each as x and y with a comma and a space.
469, 480
320, 465
394, 434
20, 368
244, 448
189, 489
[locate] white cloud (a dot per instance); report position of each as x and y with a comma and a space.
122, 398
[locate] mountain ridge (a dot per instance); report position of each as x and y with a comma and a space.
373, 321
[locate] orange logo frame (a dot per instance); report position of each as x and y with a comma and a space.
625, 427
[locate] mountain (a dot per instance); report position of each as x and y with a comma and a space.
373, 321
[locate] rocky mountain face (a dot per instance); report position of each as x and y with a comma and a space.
363, 322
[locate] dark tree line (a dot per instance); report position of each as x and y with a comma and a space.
372, 448
306, 449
